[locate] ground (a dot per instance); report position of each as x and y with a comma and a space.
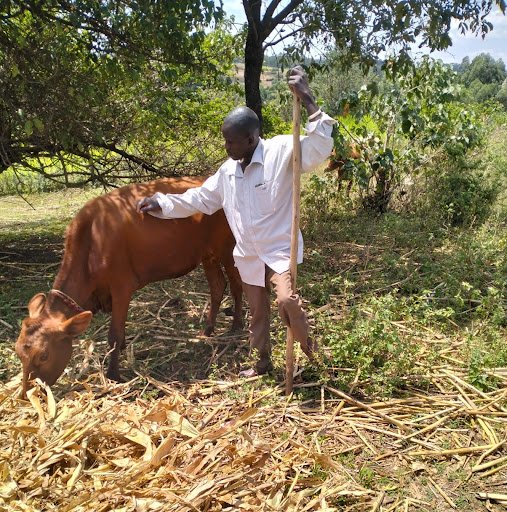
184, 433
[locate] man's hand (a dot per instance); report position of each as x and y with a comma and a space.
298, 83
148, 204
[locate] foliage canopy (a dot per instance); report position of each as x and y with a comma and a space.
82, 81
483, 78
360, 30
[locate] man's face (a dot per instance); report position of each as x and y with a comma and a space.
238, 145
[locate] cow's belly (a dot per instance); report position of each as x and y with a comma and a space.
172, 249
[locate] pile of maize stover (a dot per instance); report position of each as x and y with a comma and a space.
244, 445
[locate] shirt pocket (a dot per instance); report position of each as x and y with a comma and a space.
263, 197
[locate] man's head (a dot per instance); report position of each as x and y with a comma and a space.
240, 130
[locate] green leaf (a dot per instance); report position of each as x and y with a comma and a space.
28, 127
39, 125
14, 70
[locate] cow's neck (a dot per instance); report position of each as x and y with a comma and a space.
77, 292
62, 305
72, 278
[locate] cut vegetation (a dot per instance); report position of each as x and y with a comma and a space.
406, 410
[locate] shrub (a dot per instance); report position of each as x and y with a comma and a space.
273, 123
25, 182
463, 197
369, 341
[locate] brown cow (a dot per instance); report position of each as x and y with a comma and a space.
111, 251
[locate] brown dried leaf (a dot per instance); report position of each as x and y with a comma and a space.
137, 436
180, 424
163, 449
32, 396
8, 486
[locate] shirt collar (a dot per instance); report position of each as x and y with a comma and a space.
258, 156
233, 166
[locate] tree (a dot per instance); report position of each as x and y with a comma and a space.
334, 85
79, 77
502, 94
482, 77
397, 123
478, 92
360, 30
485, 69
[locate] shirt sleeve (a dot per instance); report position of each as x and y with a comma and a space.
205, 199
317, 144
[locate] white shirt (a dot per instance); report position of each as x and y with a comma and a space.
258, 201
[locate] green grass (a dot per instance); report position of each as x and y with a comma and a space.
387, 296
31, 243
393, 285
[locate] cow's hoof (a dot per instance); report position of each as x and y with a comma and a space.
229, 311
113, 375
266, 368
237, 327
208, 331
248, 374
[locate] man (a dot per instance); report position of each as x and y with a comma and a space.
254, 187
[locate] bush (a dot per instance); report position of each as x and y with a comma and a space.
484, 350
26, 182
369, 341
273, 123
463, 197
502, 94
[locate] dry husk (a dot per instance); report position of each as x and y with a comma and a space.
240, 445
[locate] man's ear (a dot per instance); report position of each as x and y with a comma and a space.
36, 305
77, 324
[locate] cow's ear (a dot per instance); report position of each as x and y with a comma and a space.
77, 324
36, 305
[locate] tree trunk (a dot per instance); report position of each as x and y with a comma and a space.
254, 57
382, 191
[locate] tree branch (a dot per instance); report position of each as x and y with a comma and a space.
139, 161
271, 8
282, 38
291, 6
254, 22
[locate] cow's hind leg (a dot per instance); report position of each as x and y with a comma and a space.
116, 337
217, 284
236, 292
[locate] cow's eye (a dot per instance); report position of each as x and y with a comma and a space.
44, 357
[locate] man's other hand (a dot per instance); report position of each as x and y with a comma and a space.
148, 204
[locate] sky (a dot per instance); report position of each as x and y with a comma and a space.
495, 42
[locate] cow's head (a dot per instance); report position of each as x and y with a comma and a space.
44, 344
